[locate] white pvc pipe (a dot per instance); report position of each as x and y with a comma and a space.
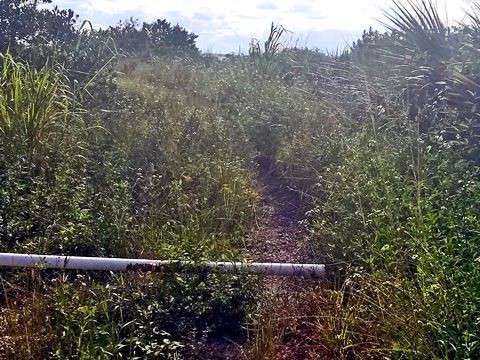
120, 264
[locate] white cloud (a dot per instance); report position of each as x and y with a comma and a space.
214, 21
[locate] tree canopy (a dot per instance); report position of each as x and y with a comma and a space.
26, 29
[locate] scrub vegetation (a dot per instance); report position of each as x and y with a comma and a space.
129, 142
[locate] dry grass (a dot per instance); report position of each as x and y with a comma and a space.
25, 328
360, 320
285, 322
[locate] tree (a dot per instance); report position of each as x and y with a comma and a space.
127, 36
162, 34
50, 35
155, 36
23, 27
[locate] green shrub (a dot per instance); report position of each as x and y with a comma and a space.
147, 316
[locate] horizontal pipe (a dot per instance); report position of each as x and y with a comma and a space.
120, 264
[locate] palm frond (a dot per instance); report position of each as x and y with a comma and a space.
420, 26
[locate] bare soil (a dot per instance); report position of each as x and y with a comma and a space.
278, 234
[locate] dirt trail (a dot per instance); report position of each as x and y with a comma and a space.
277, 235
285, 304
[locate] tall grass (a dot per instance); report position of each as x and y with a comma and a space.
381, 143
35, 111
155, 176
384, 150
399, 199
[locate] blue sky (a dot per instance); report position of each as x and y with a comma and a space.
227, 26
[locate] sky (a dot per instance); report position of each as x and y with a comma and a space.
228, 26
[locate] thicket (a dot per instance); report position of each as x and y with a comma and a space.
160, 161
397, 201
92, 164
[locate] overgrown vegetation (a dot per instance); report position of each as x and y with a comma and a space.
110, 150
